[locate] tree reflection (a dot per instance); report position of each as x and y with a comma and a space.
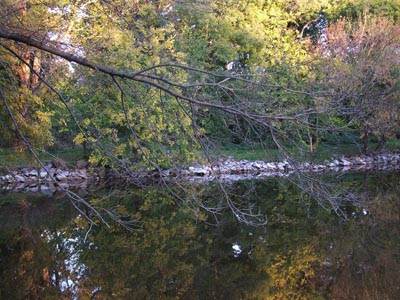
31, 266
186, 252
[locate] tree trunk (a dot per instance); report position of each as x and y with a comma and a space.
381, 143
365, 139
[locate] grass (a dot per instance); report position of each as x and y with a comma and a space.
241, 152
13, 158
325, 151
254, 151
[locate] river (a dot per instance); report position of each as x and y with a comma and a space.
249, 239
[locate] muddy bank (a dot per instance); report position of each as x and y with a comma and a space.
57, 175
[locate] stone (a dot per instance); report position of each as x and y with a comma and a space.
9, 178
43, 173
281, 166
19, 178
256, 165
82, 173
59, 163
199, 171
345, 162
62, 176
33, 173
82, 164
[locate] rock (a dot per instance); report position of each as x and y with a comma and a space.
19, 178
64, 185
345, 162
281, 166
82, 164
83, 174
165, 173
52, 172
199, 171
47, 167
8, 178
46, 190
33, 173
258, 165
43, 173
62, 176
318, 167
59, 163
33, 188
184, 173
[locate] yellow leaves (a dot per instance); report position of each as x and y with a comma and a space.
86, 122
290, 274
80, 139
44, 117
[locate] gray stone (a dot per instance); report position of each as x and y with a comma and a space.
62, 176
256, 165
42, 173
199, 171
9, 178
19, 178
33, 173
82, 173
345, 162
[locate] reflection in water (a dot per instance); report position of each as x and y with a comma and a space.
237, 249
198, 249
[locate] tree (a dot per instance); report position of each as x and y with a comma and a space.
151, 112
20, 68
360, 66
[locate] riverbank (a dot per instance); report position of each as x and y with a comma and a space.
57, 175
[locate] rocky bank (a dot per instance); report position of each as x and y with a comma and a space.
57, 175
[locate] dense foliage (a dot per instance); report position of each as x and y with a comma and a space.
149, 83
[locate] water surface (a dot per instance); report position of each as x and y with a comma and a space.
265, 239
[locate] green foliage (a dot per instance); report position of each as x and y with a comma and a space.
252, 34
131, 124
31, 110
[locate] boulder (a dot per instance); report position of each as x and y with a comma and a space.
345, 162
62, 176
59, 163
33, 173
20, 178
82, 173
199, 171
82, 164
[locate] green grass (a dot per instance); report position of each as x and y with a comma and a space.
239, 152
12, 158
392, 145
325, 151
